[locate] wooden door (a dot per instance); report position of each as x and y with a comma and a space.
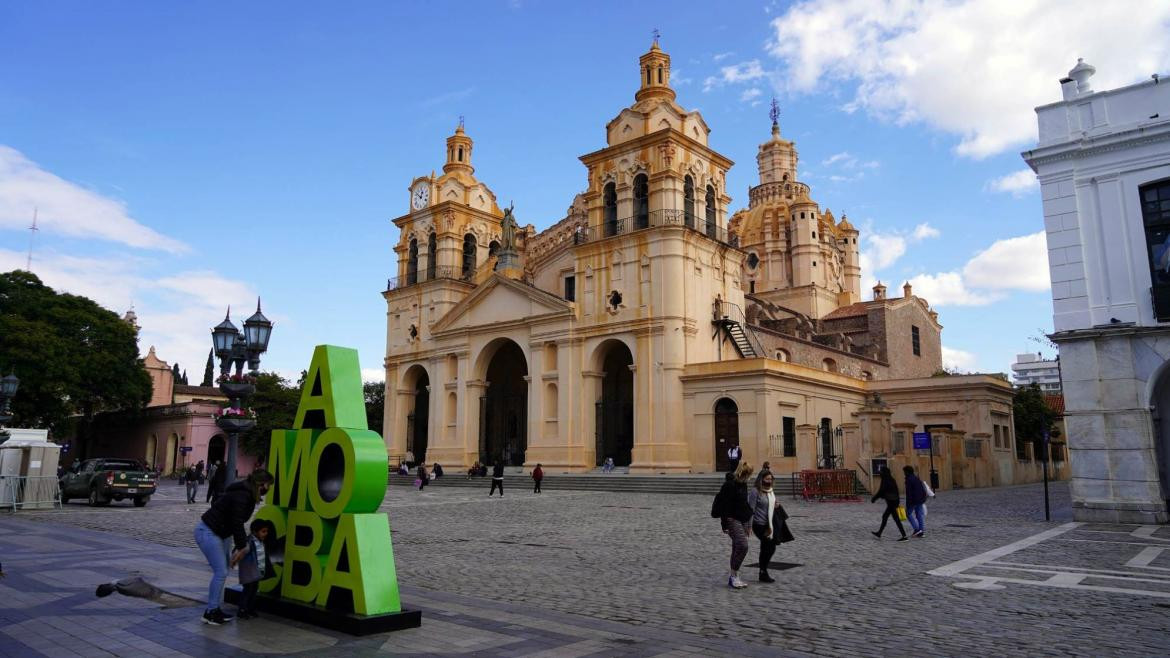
726, 432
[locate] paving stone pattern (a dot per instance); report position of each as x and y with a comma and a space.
593, 573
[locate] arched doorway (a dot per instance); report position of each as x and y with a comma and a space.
726, 431
216, 449
418, 420
1160, 401
151, 451
172, 453
504, 408
615, 408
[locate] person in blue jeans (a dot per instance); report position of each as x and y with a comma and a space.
221, 528
915, 501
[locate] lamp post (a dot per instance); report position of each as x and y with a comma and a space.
8, 387
235, 348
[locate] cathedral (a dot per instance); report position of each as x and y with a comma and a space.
654, 326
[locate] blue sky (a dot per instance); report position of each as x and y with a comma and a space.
187, 156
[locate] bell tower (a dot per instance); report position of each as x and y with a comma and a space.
777, 156
655, 71
459, 152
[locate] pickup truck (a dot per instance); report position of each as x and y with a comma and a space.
103, 480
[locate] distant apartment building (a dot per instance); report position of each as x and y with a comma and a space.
1035, 369
1103, 161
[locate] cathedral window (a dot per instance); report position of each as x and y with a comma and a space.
610, 197
689, 202
615, 299
641, 201
412, 263
648, 78
461, 154
430, 256
829, 365
710, 202
1155, 200
789, 429
571, 288
753, 260
493, 248
914, 340
468, 255
751, 287
659, 75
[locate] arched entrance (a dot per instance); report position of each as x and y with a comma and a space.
172, 453
418, 420
503, 432
726, 431
216, 449
151, 451
615, 409
1160, 401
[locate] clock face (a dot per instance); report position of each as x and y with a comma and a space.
420, 197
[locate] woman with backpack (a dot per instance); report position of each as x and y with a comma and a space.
888, 491
735, 515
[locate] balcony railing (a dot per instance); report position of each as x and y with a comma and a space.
655, 218
453, 273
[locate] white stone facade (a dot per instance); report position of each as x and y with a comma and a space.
1097, 153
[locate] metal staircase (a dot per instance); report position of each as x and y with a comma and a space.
730, 320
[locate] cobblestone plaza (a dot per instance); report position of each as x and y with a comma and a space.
572, 573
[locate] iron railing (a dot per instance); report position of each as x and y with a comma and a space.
449, 272
29, 492
726, 312
653, 219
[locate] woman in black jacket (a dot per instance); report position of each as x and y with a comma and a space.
221, 528
736, 517
888, 491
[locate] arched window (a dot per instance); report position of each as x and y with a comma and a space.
659, 75
782, 355
610, 197
641, 201
829, 365
648, 79
689, 202
412, 263
468, 255
710, 200
461, 154
430, 256
493, 248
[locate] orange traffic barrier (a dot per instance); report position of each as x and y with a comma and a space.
828, 485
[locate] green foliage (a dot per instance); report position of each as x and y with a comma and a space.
275, 403
209, 369
375, 394
72, 356
1032, 416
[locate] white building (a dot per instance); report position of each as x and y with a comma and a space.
1035, 369
1103, 161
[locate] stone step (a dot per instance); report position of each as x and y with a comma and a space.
704, 484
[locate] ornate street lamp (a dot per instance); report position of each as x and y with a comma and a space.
234, 347
8, 387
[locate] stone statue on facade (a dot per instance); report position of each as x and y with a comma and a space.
508, 230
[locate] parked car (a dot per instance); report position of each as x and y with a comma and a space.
103, 480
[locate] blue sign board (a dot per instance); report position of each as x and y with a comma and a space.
185, 449
922, 440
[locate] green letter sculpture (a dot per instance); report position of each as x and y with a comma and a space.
331, 472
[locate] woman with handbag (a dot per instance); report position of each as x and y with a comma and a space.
735, 516
888, 491
768, 521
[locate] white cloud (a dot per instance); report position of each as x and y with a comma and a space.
67, 208
884, 250
677, 79
448, 97
722, 56
1017, 183
924, 231
960, 360
1013, 263
852, 167
373, 375
750, 94
948, 289
734, 74
972, 68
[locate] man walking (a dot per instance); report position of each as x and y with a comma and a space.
211, 471
733, 455
497, 478
192, 479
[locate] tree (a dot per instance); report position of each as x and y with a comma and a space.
375, 394
176, 376
72, 356
1032, 416
275, 403
209, 369
185, 378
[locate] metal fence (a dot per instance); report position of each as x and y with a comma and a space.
412, 277
29, 492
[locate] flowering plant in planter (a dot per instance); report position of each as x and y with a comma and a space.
236, 379
231, 412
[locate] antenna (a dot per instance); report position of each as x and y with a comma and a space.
775, 111
32, 234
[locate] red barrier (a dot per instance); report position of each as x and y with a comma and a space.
828, 485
